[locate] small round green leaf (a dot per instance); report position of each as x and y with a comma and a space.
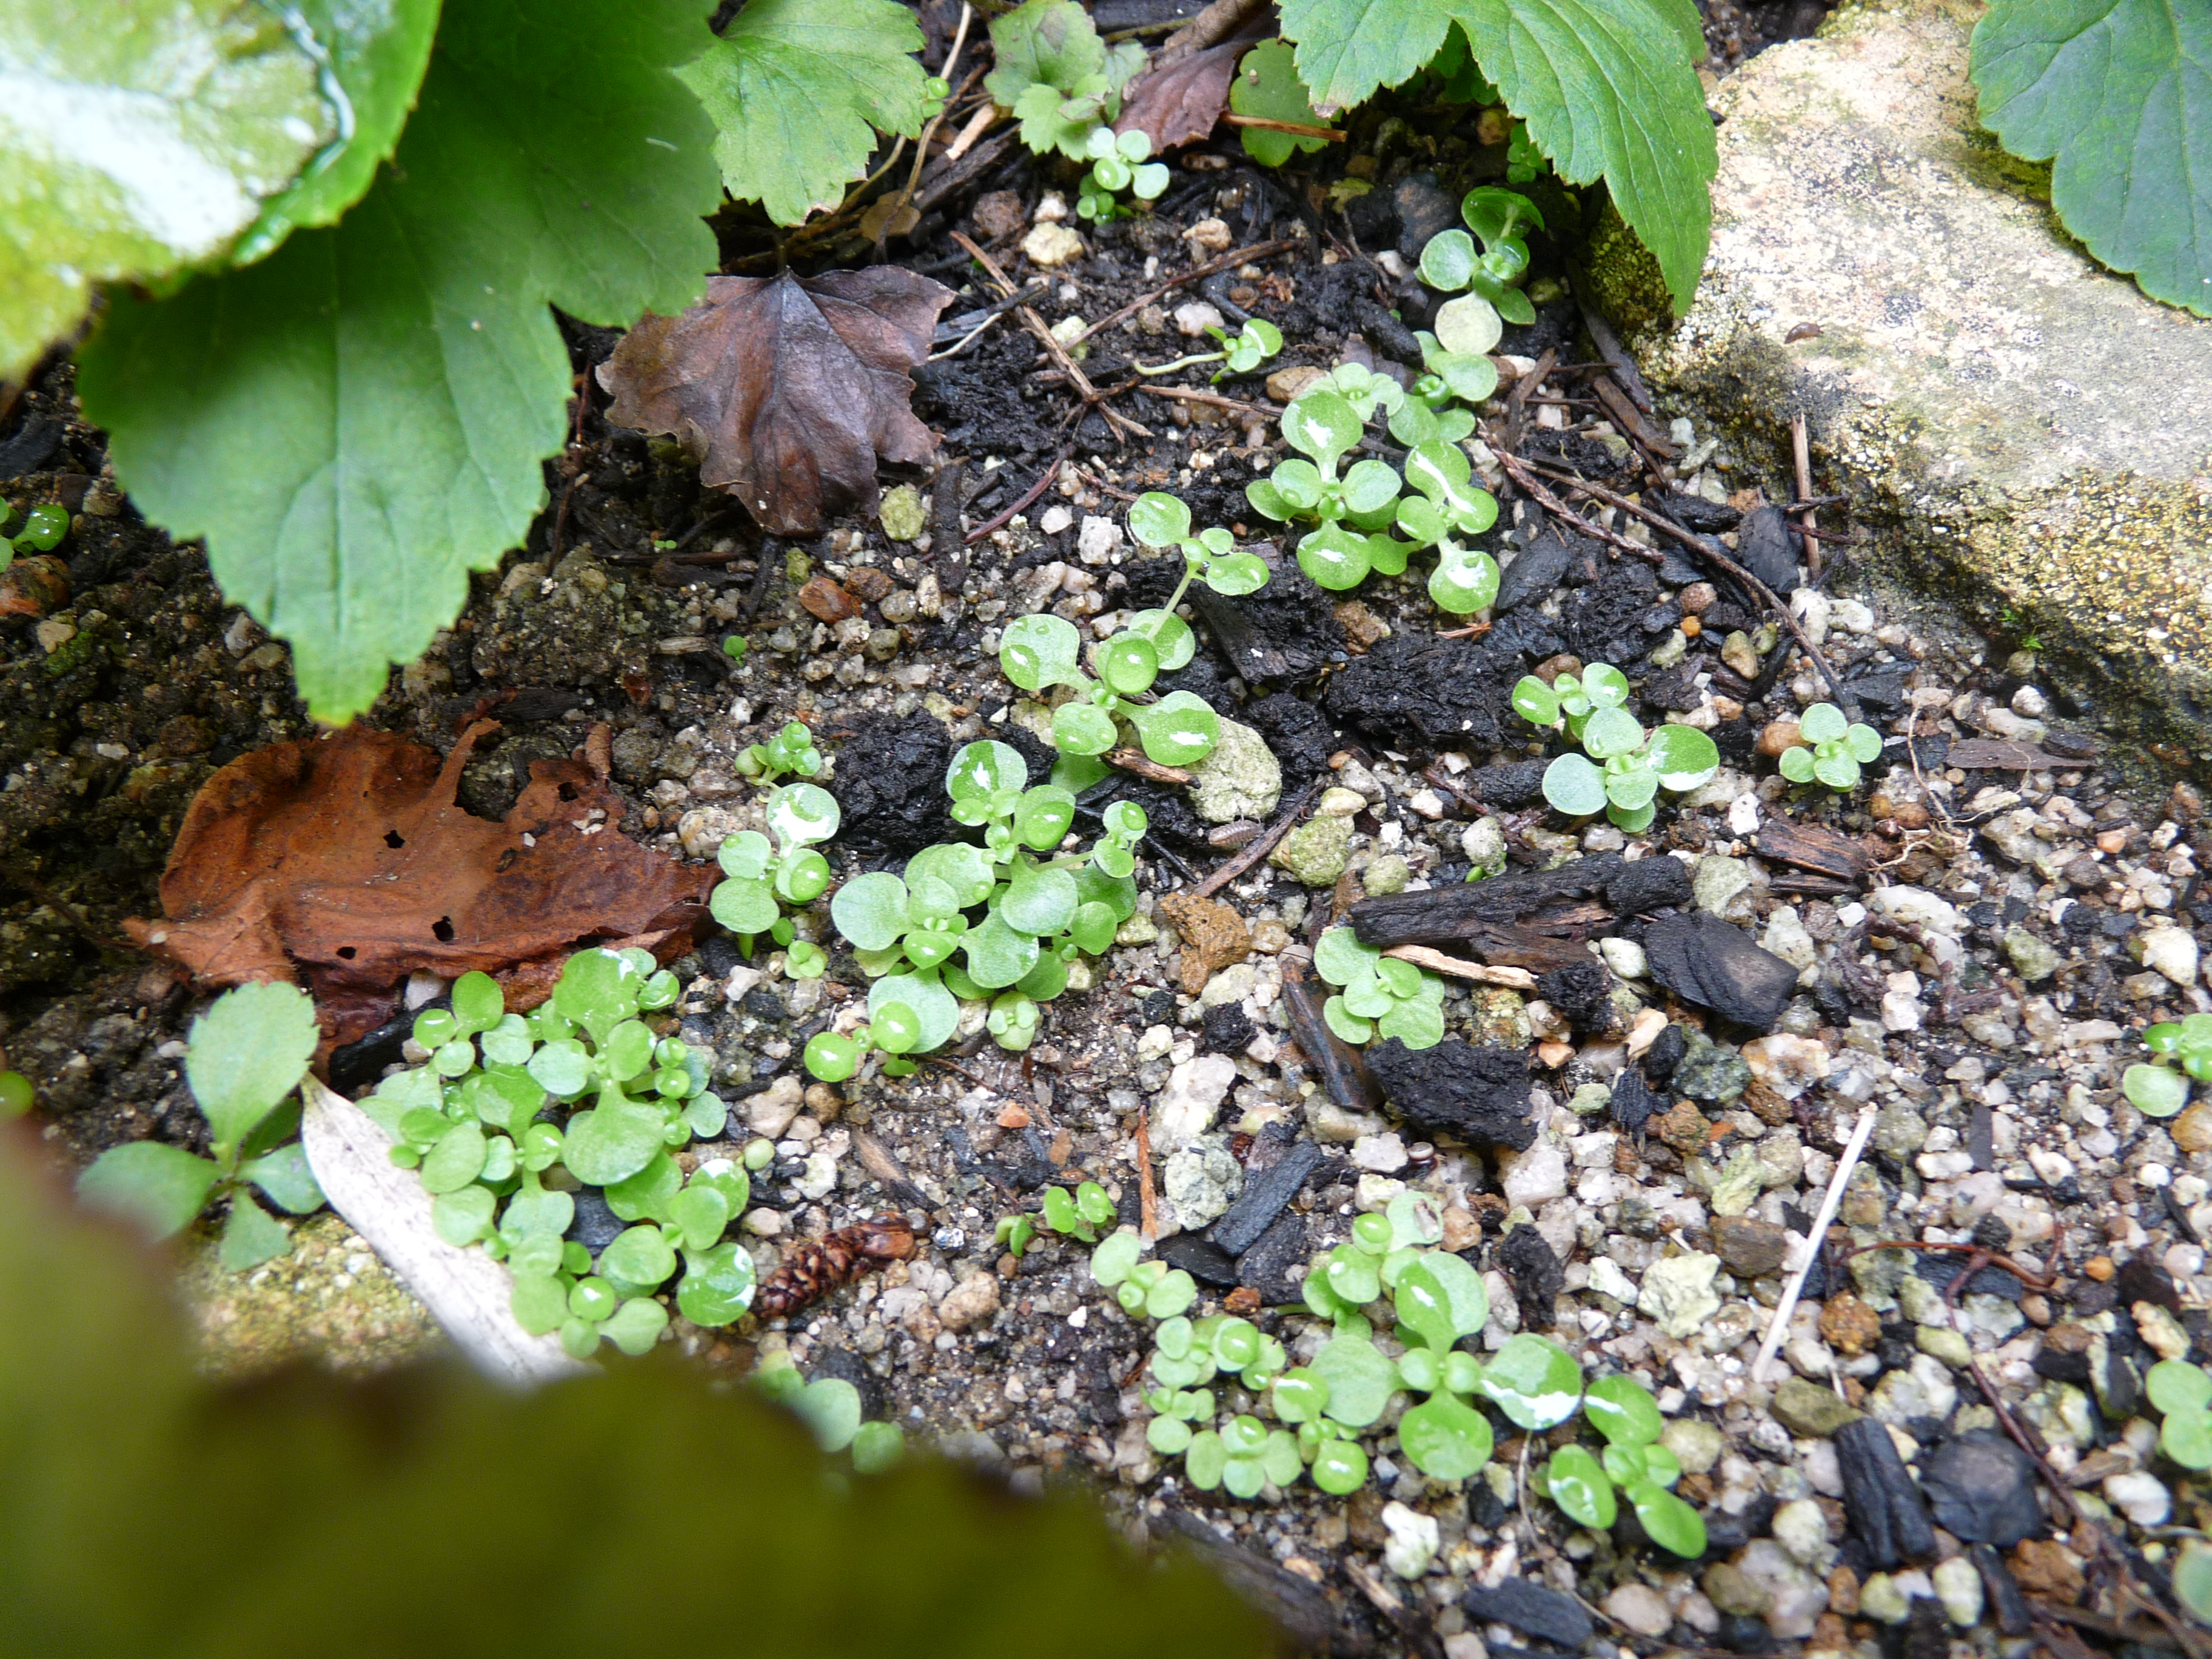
1580, 1488
1574, 787
1321, 424
1447, 260
1533, 1381
1359, 1380
1039, 651
2155, 1090
1672, 1524
1822, 723
1158, 519
1683, 756
1179, 730
1623, 1410
870, 910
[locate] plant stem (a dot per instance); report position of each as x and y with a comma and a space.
1180, 363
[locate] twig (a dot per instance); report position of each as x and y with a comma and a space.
1036, 324
1801, 448
1027, 499
1134, 761
1298, 128
1518, 470
1214, 399
1780, 1325
1148, 1219
1262, 844
1196, 273
978, 124
1706, 549
948, 550
1427, 956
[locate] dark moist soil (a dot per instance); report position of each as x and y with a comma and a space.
118, 707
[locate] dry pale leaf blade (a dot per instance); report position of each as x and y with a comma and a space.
466, 1291
1181, 103
350, 857
786, 391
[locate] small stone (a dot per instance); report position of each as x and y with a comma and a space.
1387, 875
1194, 1093
1777, 738
2046, 1567
1483, 842
1945, 1343
1804, 1408
1285, 384
1788, 1064
1849, 1326
1696, 1444
2171, 951
1737, 651
1232, 984
1412, 1541
2141, 1496
1315, 851
901, 513
1193, 316
1096, 541
1056, 519
1384, 1154
1202, 1180
1679, 1294
1729, 1589
1801, 1527
1880, 1598
2032, 958
998, 215
1240, 779
1750, 1249
1536, 1178
1213, 936
1640, 1608
1683, 1127
1900, 1131
1050, 245
1340, 802
1710, 1072
1924, 1388
1210, 236
770, 1113
975, 1299
2192, 1130
1959, 1588
1719, 881
1623, 956
2160, 1331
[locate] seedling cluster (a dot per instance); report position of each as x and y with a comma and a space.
1065, 86
1833, 751
513, 1111
759, 873
41, 530
1379, 994
790, 750
1450, 263
1623, 767
2161, 1090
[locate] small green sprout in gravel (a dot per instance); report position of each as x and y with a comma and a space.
2160, 1090
1833, 751
1625, 768
1380, 995
760, 873
2183, 1394
1119, 162
791, 750
831, 1408
243, 1059
1450, 263
41, 530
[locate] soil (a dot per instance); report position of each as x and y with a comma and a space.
1987, 1021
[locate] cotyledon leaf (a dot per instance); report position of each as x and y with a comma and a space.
794, 86
356, 422
137, 137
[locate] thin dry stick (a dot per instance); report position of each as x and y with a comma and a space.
1834, 1198
951, 60
1044, 479
1213, 399
1260, 845
1518, 470
1035, 326
1148, 1219
1298, 128
1196, 273
1801, 447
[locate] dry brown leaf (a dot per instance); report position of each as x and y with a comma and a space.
350, 858
786, 390
1181, 103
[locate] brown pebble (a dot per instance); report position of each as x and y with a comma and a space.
1684, 1128
33, 586
1213, 936
825, 601
2036, 1307
2112, 841
2044, 1566
1461, 1230
1244, 1301
2192, 1130
1849, 1326
1776, 738
1843, 1593
1362, 627
867, 583
824, 1101
1909, 815
1697, 599
2100, 1268
1552, 667
998, 215
1014, 1117
1551, 1053
2085, 871
1692, 628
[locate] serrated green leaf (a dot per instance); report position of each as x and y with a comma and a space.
1347, 48
1267, 86
246, 1053
136, 139
161, 1187
794, 89
2117, 95
250, 1235
371, 59
1050, 43
356, 423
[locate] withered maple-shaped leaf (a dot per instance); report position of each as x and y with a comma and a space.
785, 390
349, 857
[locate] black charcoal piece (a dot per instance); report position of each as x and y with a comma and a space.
1762, 547
1513, 783
1982, 1488
1267, 1193
2014, 1616
1275, 1265
1649, 884
1479, 1095
1885, 1509
1538, 1277
1532, 1610
1298, 734
1582, 993
1715, 964
1634, 1100
1535, 572
1201, 1258
891, 786
1665, 1054
594, 1225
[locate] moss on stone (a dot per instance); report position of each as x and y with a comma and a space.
331, 1301
1617, 273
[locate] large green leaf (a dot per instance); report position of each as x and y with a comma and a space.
356, 422
371, 59
246, 1053
794, 86
2118, 93
1606, 87
137, 137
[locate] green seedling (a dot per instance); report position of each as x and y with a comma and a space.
1060, 80
1240, 354
1041, 651
1324, 425
1448, 507
1148, 1288
41, 530
2160, 1090
790, 750
1118, 163
831, 1409
758, 873
2183, 1394
993, 922
1626, 768
243, 1059
1450, 263
1539, 1386
1379, 994
1833, 751
733, 648
581, 1082
1015, 1234
1078, 1214
1244, 1456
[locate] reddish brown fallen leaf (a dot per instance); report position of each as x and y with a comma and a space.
784, 391
32, 587
349, 857
1181, 103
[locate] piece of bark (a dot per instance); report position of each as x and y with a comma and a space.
1884, 1503
1344, 1074
1810, 847
1479, 1096
466, 1292
2003, 754
1265, 1196
1534, 898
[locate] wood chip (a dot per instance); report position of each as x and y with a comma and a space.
1424, 956
1810, 847
2003, 754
